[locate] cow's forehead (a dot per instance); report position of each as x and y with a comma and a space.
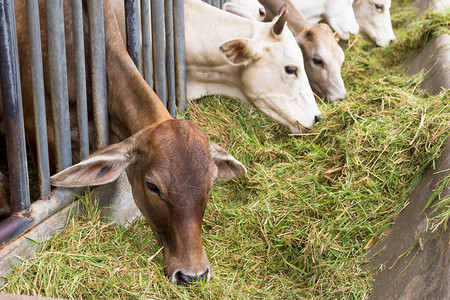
178, 151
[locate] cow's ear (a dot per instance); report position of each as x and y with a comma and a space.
237, 10
336, 36
241, 51
227, 166
99, 168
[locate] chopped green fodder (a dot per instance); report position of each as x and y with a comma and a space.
298, 225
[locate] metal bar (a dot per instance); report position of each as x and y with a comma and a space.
159, 59
80, 77
12, 109
215, 3
40, 117
58, 75
146, 42
170, 57
98, 71
180, 54
40, 210
132, 32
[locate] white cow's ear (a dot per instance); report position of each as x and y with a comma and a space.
227, 166
241, 51
237, 10
99, 168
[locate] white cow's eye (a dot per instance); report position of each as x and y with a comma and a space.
379, 7
291, 70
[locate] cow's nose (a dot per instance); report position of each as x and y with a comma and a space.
183, 279
262, 13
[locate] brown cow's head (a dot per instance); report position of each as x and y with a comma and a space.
171, 167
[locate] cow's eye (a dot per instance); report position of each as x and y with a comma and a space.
152, 187
291, 70
379, 7
318, 62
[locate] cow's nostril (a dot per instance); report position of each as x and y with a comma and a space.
262, 12
204, 276
317, 118
183, 279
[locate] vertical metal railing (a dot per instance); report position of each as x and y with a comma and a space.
163, 67
164, 51
80, 78
12, 109
170, 57
58, 80
180, 55
132, 31
40, 117
146, 43
159, 53
98, 72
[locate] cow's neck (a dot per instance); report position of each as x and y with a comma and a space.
296, 21
208, 71
132, 104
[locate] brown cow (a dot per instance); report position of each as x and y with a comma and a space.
170, 163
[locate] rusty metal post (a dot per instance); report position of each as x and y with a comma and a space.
180, 54
98, 71
58, 75
170, 57
146, 42
12, 109
132, 32
159, 57
40, 117
80, 77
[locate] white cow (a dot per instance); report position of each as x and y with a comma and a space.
336, 13
374, 20
259, 63
246, 8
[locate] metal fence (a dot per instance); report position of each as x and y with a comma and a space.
161, 62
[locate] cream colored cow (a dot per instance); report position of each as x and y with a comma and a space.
246, 8
336, 13
257, 62
374, 20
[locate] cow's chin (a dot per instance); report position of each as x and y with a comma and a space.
297, 128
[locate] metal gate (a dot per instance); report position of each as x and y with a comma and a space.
162, 64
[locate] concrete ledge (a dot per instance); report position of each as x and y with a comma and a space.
435, 60
436, 5
414, 263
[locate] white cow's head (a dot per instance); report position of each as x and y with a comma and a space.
246, 8
272, 76
340, 16
374, 20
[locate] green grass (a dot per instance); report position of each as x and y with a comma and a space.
298, 225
